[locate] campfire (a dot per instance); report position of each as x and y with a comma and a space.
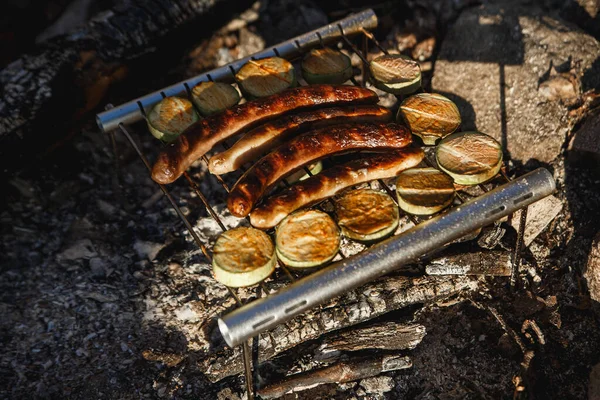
351, 271
373, 208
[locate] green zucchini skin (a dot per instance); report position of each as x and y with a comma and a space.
170, 117
265, 77
243, 256
307, 238
326, 66
470, 158
366, 215
214, 97
395, 73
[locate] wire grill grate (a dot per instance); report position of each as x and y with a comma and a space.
358, 24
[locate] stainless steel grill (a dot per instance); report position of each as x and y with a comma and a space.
251, 319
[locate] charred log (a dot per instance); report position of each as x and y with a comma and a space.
384, 336
70, 74
345, 371
368, 302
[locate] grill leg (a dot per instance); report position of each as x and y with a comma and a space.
516, 258
248, 370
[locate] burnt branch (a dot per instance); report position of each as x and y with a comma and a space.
385, 336
345, 371
370, 301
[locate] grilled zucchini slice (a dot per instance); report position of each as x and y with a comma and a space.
424, 191
243, 256
214, 97
366, 215
395, 73
307, 238
470, 158
267, 76
430, 116
326, 65
171, 116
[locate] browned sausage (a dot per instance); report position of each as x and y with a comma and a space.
307, 148
261, 140
203, 135
332, 181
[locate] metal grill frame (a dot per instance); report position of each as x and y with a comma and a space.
117, 118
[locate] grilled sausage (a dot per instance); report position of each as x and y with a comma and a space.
203, 135
307, 148
332, 181
266, 137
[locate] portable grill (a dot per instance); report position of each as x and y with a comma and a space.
249, 320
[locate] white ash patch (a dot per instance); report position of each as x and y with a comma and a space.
350, 247
375, 301
539, 216
228, 394
153, 310
208, 229
377, 384
185, 313
147, 250
82, 249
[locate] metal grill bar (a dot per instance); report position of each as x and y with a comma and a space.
129, 112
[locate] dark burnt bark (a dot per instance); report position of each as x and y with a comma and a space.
344, 371
69, 75
386, 336
370, 301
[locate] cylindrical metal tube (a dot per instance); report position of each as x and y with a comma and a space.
340, 277
130, 112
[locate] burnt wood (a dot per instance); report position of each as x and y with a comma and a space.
385, 336
67, 76
365, 303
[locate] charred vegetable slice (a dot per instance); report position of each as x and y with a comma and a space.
171, 116
470, 158
395, 73
302, 174
243, 257
307, 238
326, 66
214, 97
424, 191
366, 215
267, 76
430, 116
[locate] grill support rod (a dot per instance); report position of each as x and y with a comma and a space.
130, 112
260, 315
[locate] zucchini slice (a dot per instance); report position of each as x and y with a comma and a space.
301, 174
243, 257
470, 158
366, 215
214, 97
267, 76
424, 191
326, 65
395, 73
307, 238
171, 116
430, 116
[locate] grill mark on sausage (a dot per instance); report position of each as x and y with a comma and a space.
203, 135
260, 140
310, 147
331, 182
